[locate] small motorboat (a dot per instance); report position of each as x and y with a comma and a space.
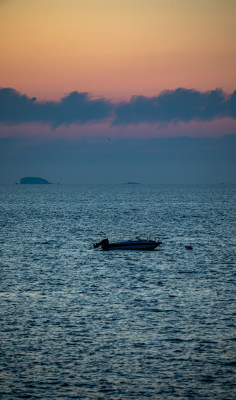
135, 244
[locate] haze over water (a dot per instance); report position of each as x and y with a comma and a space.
80, 323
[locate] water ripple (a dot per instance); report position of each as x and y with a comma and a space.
79, 323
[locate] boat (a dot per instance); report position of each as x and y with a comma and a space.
134, 244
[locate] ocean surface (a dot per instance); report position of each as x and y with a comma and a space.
82, 323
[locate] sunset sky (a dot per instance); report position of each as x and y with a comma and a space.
99, 71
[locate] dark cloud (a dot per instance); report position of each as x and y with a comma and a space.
75, 108
79, 108
175, 106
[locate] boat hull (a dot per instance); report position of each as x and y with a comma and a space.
128, 245
114, 246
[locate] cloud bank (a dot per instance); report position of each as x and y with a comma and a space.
175, 106
93, 160
76, 107
180, 105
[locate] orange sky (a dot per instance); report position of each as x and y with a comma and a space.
117, 48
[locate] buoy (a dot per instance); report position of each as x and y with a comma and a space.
189, 247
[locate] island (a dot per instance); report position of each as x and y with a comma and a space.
29, 180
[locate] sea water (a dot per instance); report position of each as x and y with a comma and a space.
82, 323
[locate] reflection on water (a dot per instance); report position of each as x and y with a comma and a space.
87, 324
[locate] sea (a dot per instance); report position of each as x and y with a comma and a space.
83, 323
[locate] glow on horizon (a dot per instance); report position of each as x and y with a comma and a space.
193, 129
117, 48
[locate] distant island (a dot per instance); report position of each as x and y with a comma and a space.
132, 183
29, 180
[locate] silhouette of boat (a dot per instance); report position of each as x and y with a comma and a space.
135, 244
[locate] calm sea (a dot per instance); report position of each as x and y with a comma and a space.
81, 323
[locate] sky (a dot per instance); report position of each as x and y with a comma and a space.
101, 91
